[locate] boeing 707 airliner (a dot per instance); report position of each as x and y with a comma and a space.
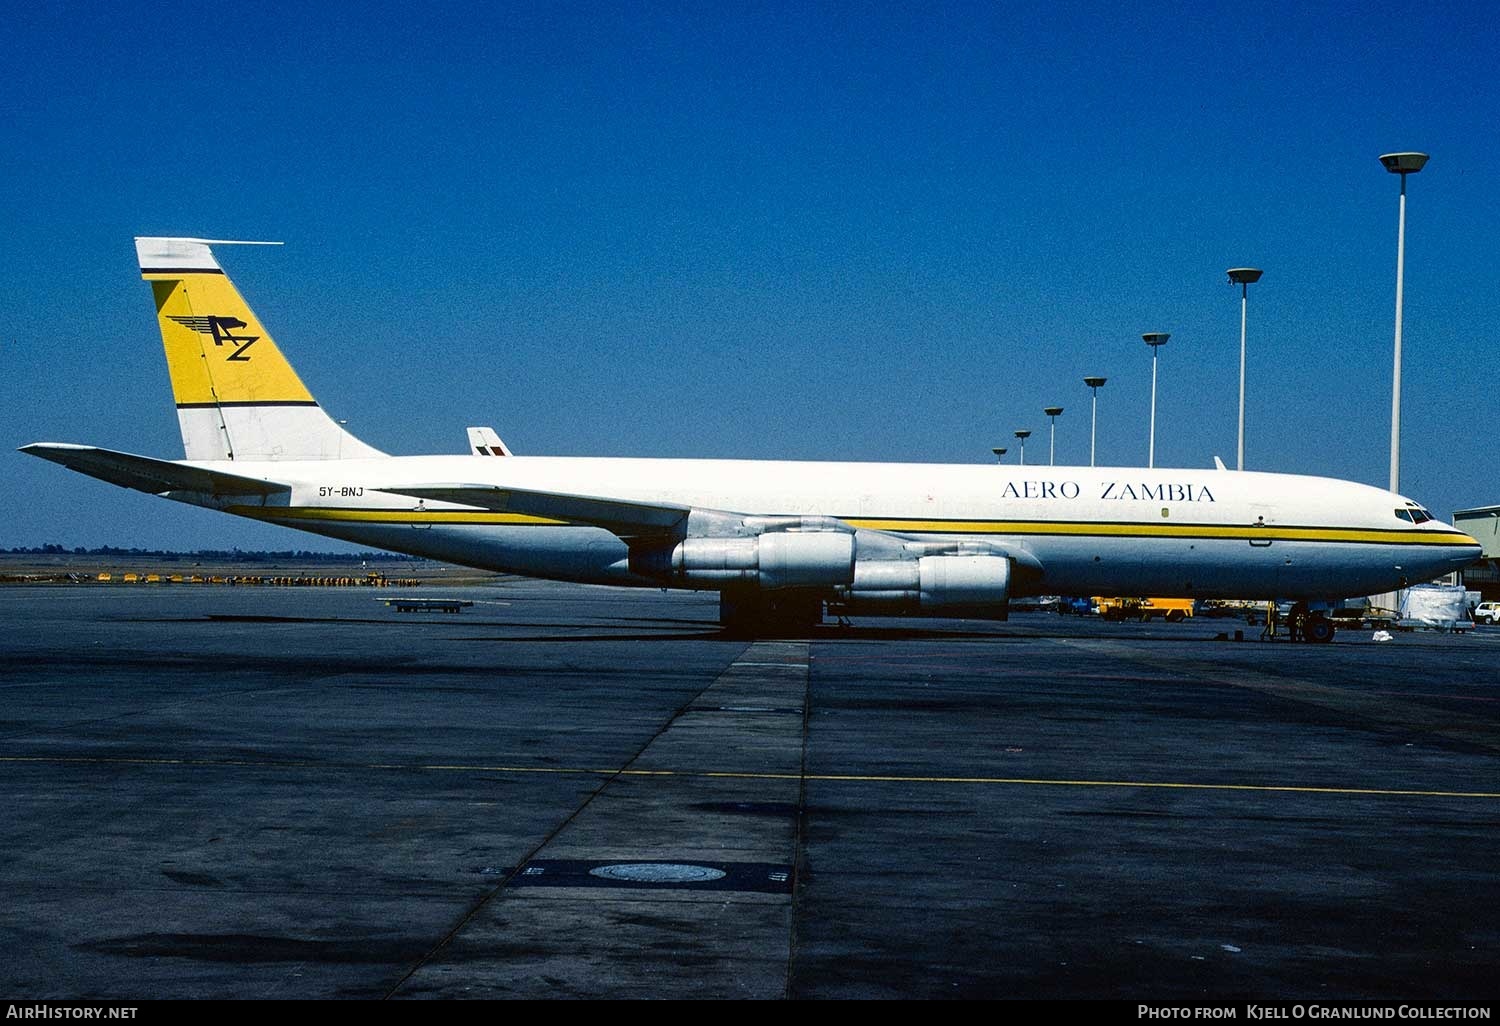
780, 541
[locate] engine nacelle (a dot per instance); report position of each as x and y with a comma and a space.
964, 581
977, 585
771, 561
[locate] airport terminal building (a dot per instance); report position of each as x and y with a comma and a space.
1483, 525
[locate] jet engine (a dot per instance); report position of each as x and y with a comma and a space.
961, 584
770, 561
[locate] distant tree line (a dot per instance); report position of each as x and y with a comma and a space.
217, 555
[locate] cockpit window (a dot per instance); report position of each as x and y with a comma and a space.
1420, 516
1404, 515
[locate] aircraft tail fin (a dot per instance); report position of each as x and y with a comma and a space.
237, 396
484, 442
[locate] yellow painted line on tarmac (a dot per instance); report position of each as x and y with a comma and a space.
1352, 702
832, 778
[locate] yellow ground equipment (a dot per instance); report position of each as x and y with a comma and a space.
1144, 609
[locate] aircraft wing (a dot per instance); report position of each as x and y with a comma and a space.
145, 474
624, 517
630, 518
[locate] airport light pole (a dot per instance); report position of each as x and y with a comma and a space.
1095, 384
1023, 435
1053, 412
1154, 339
1402, 164
999, 454
1244, 277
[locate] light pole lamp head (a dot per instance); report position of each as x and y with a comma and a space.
1244, 275
999, 453
1403, 163
1156, 338
1023, 435
1052, 411
1095, 382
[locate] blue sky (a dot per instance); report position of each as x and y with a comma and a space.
821, 231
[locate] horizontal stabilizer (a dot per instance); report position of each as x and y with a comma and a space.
622, 516
145, 474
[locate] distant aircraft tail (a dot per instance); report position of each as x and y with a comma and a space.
484, 442
237, 397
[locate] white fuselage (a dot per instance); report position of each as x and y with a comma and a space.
1082, 531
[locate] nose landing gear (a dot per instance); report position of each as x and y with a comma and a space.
1305, 625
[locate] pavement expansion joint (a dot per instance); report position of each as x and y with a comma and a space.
697, 829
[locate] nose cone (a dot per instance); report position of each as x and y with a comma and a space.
1458, 550
1468, 550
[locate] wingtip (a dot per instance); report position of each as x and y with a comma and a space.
38, 447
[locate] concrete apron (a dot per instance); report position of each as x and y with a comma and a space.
675, 879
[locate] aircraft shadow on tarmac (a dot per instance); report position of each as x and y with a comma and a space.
639, 629
713, 632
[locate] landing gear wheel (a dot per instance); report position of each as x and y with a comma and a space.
1318, 629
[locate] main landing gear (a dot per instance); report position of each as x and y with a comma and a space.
750, 613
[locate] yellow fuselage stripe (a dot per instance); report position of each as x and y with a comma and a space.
1155, 530
997, 527
389, 516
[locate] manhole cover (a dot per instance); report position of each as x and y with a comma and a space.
657, 872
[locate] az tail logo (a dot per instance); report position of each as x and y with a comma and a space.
221, 329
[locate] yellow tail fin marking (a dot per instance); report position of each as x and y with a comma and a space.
217, 350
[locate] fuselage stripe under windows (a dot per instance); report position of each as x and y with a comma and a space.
1117, 529
1183, 532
